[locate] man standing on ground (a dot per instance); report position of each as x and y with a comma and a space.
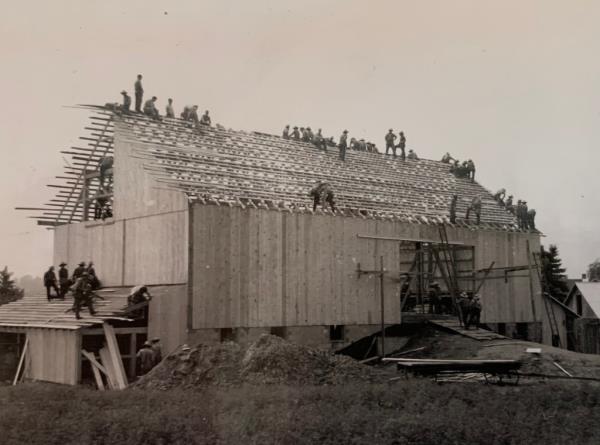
50, 282
139, 93
390, 137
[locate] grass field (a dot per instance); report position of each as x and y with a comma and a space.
405, 412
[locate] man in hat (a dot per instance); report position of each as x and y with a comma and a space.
156, 350
63, 279
476, 208
145, 359
78, 271
524, 213
453, 209
411, 155
296, 134
390, 137
402, 144
343, 145
286, 132
319, 141
50, 283
169, 111
94, 282
509, 204
126, 102
309, 135
139, 93
205, 120
447, 158
471, 170
150, 108
82, 293
190, 113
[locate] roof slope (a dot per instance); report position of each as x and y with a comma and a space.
242, 168
37, 312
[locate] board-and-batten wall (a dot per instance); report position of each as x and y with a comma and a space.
53, 355
252, 268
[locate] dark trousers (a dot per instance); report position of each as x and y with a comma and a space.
343, 148
48, 293
138, 102
401, 147
64, 288
81, 301
392, 146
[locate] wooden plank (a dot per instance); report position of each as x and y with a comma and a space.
108, 365
95, 369
115, 355
21, 361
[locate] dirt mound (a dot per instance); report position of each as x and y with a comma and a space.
269, 360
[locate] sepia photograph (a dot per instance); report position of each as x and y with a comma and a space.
300, 222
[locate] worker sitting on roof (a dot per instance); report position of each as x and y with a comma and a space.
145, 359
319, 141
126, 106
150, 108
322, 194
353, 144
50, 283
509, 204
402, 144
343, 145
205, 120
390, 137
169, 111
476, 208
499, 195
286, 132
83, 295
371, 147
296, 134
447, 158
361, 145
190, 113
412, 155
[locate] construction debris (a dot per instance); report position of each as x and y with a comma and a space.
269, 360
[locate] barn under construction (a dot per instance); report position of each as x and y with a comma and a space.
219, 224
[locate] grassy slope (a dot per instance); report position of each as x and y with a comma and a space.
408, 411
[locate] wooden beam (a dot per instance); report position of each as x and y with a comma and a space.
108, 365
21, 361
96, 368
414, 240
115, 355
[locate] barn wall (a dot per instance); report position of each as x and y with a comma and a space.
53, 355
253, 268
149, 250
167, 316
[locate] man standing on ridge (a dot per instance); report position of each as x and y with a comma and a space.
390, 137
139, 93
402, 144
169, 109
343, 145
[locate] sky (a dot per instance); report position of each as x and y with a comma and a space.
514, 85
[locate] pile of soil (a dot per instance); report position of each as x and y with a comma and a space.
269, 360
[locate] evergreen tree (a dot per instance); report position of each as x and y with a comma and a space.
554, 279
594, 271
8, 291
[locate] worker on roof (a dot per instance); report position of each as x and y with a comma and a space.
83, 295
205, 120
353, 144
447, 158
302, 134
471, 170
412, 155
362, 145
286, 132
319, 141
126, 106
169, 111
371, 147
402, 144
139, 93
94, 281
476, 208
190, 113
50, 283
63, 279
343, 145
509, 204
137, 295
156, 350
499, 195
104, 165
78, 271
453, 203
390, 137
531, 219
296, 134
322, 194
145, 359
150, 108
524, 213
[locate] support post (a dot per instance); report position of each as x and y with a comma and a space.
132, 352
115, 355
21, 361
381, 292
531, 294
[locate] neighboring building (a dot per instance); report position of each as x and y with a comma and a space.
584, 299
219, 224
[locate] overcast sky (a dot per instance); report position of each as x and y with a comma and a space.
514, 85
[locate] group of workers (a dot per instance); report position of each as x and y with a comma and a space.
525, 215
189, 113
470, 308
149, 355
464, 170
441, 303
322, 193
321, 142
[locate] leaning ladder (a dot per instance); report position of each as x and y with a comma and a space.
548, 305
